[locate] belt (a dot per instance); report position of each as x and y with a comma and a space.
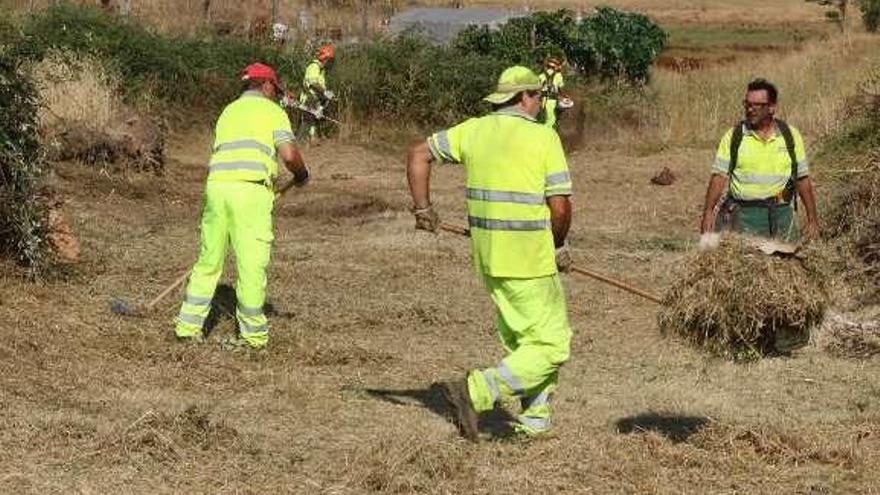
760, 203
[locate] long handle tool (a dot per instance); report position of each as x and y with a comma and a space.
303, 108
457, 229
120, 307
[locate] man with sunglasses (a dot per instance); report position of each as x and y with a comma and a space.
518, 188
762, 165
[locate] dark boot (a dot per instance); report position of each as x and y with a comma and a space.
456, 394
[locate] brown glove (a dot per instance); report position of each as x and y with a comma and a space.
426, 219
563, 259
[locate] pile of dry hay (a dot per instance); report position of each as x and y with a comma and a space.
740, 303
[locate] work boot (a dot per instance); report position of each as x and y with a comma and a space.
456, 395
238, 343
190, 339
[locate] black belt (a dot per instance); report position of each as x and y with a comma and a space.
762, 203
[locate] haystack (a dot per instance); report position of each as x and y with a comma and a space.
738, 302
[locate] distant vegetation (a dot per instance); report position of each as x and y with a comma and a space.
609, 44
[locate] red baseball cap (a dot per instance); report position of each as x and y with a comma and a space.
260, 72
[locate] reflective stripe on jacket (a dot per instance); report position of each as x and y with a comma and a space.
513, 164
246, 137
763, 167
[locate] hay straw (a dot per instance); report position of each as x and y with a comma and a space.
737, 302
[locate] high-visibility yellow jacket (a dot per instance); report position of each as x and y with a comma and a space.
513, 164
246, 137
763, 167
314, 76
552, 83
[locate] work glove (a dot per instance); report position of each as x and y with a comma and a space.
302, 176
318, 113
329, 94
287, 101
426, 219
563, 258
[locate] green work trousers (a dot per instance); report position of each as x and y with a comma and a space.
533, 326
777, 222
240, 213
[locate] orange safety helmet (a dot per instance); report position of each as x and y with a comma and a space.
325, 53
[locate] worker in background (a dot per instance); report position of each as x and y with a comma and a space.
552, 83
315, 96
518, 188
251, 135
762, 165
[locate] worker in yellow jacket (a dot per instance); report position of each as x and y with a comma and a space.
552, 83
518, 188
252, 134
315, 95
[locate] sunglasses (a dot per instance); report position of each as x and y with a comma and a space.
752, 104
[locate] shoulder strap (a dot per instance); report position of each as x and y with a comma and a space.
735, 141
785, 130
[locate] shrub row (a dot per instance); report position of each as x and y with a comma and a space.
609, 44
22, 215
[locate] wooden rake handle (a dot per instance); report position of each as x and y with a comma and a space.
457, 229
177, 283
185, 275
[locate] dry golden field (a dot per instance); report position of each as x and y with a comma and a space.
369, 313
185, 15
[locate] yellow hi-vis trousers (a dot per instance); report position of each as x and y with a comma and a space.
550, 105
240, 212
533, 327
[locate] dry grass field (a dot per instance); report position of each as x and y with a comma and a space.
185, 15
369, 313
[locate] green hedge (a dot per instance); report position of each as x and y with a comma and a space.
22, 214
184, 70
609, 44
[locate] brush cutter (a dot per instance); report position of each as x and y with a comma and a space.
457, 229
119, 307
313, 113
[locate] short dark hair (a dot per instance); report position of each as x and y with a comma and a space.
763, 84
514, 100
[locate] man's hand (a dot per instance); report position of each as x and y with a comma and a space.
426, 219
329, 94
318, 112
563, 258
811, 230
301, 176
707, 224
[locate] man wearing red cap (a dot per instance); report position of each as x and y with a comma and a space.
251, 135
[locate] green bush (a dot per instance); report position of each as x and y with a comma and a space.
184, 70
609, 44
410, 80
870, 14
22, 214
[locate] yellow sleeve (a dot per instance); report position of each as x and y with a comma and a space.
557, 178
281, 129
446, 145
721, 165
